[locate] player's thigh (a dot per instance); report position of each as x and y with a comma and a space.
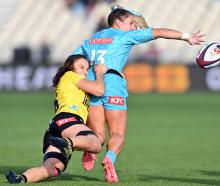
116, 121
96, 120
73, 130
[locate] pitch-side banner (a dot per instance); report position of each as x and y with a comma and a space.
170, 78
26, 78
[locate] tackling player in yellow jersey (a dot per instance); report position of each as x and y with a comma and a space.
67, 131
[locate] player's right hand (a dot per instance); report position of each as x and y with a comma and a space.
100, 69
196, 38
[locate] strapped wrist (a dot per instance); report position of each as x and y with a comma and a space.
185, 36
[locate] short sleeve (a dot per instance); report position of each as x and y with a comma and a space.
140, 36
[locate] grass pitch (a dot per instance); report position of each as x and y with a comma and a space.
172, 139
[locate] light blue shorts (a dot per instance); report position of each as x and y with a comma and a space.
115, 93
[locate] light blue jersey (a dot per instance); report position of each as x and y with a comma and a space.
111, 47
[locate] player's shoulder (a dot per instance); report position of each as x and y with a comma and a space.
143, 30
141, 33
69, 73
72, 74
102, 32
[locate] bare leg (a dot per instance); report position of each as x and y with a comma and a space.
37, 174
116, 120
47, 170
82, 142
96, 121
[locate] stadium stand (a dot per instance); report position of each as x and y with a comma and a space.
32, 22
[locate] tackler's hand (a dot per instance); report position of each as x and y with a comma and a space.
100, 69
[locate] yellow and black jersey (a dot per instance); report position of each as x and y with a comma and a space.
69, 98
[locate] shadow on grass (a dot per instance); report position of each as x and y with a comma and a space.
149, 178
63, 176
209, 173
73, 177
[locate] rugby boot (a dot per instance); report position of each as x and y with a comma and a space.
13, 178
88, 160
110, 173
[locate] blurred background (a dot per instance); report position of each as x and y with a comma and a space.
37, 36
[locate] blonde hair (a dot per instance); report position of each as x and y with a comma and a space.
140, 22
138, 19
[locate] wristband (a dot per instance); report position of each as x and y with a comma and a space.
185, 36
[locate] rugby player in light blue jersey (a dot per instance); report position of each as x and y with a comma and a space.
111, 47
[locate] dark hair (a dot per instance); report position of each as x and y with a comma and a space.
118, 13
67, 66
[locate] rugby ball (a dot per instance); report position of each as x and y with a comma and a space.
209, 56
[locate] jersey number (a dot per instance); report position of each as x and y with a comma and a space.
100, 55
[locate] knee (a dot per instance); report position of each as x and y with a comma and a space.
55, 163
53, 171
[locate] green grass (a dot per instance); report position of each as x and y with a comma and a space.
172, 139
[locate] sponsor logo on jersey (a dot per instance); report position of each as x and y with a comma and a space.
65, 120
101, 40
116, 100
74, 107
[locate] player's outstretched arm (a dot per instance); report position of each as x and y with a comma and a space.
193, 39
96, 87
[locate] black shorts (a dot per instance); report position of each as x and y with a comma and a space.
60, 122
